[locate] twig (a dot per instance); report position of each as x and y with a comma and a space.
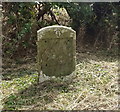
53, 17
72, 105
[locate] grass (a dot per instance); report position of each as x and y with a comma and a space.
93, 87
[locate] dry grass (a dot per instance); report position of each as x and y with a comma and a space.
93, 87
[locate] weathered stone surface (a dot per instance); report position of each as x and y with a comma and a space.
56, 50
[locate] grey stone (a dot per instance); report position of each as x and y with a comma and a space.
56, 46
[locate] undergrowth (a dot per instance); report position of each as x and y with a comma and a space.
94, 86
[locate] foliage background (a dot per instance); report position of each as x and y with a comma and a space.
96, 24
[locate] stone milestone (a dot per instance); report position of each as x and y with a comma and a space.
56, 46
